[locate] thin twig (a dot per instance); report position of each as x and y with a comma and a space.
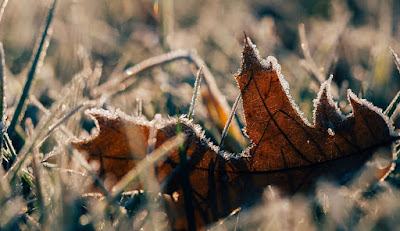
228, 123
317, 75
40, 53
195, 95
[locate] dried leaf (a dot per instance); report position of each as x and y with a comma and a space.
117, 144
283, 138
286, 150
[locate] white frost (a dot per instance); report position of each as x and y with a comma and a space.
271, 62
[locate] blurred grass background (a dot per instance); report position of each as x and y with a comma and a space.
347, 38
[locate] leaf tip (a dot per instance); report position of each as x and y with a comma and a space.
357, 103
325, 91
326, 110
325, 94
250, 56
353, 99
373, 113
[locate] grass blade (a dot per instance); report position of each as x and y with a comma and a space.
396, 100
37, 174
185, 182
139, 107
195, 93
39, 56
2, 8
2, 80
2, 99
111, 85
40, 131
228, 123
133, 175
65, 118
317, 75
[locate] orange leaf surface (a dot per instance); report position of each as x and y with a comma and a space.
286, 150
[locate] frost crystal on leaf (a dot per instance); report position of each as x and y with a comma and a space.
285, 149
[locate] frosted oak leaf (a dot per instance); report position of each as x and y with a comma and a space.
286, 150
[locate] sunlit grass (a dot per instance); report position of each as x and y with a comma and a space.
142, 57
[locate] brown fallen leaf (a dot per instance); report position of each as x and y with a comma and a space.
283, 138
286, 150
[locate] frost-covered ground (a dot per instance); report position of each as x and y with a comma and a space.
99, 39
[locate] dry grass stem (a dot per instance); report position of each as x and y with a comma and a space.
228, 123
2, 8
133, 175
36, 64
195, 93
309, 61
